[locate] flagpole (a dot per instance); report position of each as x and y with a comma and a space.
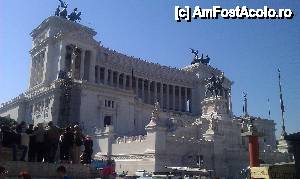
283, 132
269, 107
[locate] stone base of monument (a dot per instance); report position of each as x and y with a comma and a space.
48, 170
44, 170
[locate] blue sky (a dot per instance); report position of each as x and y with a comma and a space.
248, 51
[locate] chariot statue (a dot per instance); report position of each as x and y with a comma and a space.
61, 11
197, 59
74, 16
195, 52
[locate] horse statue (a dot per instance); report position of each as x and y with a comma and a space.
196, 58
195, 52
205, 61
74, 16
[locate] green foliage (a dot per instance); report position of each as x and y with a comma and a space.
7, 121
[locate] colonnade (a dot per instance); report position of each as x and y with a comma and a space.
170, 96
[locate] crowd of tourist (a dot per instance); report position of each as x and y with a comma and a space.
47, 143
61, 173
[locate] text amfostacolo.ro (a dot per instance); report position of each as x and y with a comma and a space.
188, 14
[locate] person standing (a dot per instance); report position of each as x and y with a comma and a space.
21, 142
78, 141
32, 147
40, 142
53, 133
24, 143
88, 150
66, 143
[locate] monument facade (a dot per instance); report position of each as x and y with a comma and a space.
141, 114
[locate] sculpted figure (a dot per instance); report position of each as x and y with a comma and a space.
215, 85
195, 52
74, 16
57, 11
63, 13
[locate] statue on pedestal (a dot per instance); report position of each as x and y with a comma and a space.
154, 120
215, 85
213, 123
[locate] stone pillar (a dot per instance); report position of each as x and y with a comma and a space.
105, 76
155, 91
82, 64
149, 92
124, 81
185, 100
118, 79
191, 101
130, 82
62, 55
111, 77
100, 74
168, 97
179, 99
174, 98
92, 67
161, 95
137, 86
143, 90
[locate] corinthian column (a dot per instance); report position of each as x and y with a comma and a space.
185, 100
82, 64
143, 90
137, 86
118, 79
161, 95
149, 92
155, 91
105, 75
179, 99
174, 97
168, 97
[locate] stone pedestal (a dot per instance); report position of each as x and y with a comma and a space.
283, 145
218, 106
